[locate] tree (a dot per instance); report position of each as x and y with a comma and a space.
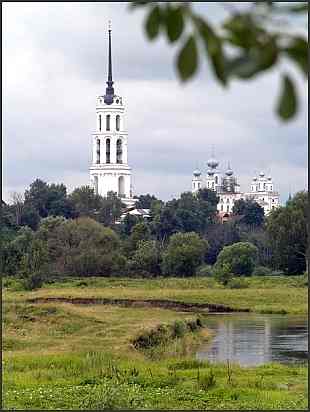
237, 259
248, 42
219, 235
185, 252
110, 209
145, 201
83, 247
36, 197
146, 258
85, 201
287, 231
17, 206
252, 213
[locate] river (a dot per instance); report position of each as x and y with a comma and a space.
252, 339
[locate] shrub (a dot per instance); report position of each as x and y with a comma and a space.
239, 258
178, 329
205, 270
237, 284
261, 271
223, 273
33, 281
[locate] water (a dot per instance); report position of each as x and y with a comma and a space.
250, 339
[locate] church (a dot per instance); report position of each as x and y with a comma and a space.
228, 189
109, 170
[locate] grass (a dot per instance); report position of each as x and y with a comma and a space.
64, 356
263, 295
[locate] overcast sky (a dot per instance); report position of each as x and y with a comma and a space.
54, 66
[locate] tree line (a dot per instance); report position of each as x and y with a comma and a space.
47, 232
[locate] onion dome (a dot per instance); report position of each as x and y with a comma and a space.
269, 178
210, 172
212, 163
229, 171
254, 178
197, 173
262, 174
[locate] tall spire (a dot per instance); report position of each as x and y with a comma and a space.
109, 93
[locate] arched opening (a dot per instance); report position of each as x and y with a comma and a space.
108, 151
118, 122
119, 151
121, 186
98, 151
216, 180
100, 122
108, 120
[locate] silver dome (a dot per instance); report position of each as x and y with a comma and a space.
213, 163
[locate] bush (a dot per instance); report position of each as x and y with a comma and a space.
184, 254
261, 271
239, 259
178, 329
237, 284
223, 273
205, 271
33, 281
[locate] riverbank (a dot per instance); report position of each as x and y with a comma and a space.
80, 356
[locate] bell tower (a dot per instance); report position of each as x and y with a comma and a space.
109, 170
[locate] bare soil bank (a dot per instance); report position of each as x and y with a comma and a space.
158, 303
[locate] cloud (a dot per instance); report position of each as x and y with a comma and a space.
54, 58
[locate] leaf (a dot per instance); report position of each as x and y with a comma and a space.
152, 23
214, 49
174, 22
187, 61
287, 103
298, 52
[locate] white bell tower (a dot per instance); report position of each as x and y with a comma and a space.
109, 170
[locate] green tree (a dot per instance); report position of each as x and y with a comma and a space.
184, 253
145, 201
110, 209
287, 230
249, 41
238, 259
251, 212
84, 247
85, 201
36, 197
219, 235
146, 258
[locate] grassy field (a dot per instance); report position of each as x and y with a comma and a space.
64, 356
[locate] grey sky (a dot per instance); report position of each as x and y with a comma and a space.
54, 66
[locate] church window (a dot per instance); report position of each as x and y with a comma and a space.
198, 185
119, 151
227, 208
98, 151
100, 122
222, 208
108, 118
118, 122
216, 179
108, 150
121, 186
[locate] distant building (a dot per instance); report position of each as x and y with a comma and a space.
228, 189
109, 170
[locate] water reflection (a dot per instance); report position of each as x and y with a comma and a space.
256, 339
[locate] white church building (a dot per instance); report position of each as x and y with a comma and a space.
228, 189
109, 170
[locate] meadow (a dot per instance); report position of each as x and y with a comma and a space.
68, 356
